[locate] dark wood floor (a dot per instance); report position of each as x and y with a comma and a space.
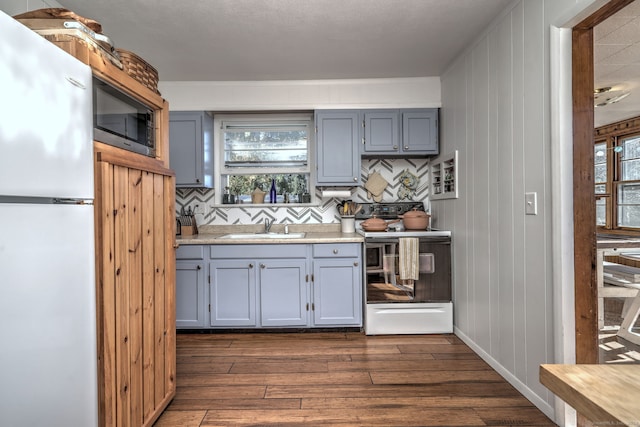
339, 378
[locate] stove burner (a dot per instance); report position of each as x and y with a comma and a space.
387, 210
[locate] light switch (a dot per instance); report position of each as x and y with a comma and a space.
531, 203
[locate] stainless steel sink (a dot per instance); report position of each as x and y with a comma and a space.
251, 236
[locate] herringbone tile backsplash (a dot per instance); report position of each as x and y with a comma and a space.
325, 210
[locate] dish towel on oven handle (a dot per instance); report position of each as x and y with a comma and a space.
408, 258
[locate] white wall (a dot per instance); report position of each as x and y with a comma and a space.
302, 94
14, 7
496, 111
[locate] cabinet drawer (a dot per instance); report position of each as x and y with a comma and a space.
258, 251
190, 252
334, 250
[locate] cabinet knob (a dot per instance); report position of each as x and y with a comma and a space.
250, 265
198, 180
262, 265
395, 147
198, 267
355, 264
355, 179
335, 251
406, 147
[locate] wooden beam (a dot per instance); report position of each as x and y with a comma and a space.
584, 213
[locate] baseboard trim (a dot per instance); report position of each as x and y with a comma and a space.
541, 404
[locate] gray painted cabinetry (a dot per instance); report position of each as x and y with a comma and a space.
340, 134
190, 288
269, 285
338, 152
400, 132
191, 148
337, 284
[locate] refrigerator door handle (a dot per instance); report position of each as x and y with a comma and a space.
76, 82
63, 201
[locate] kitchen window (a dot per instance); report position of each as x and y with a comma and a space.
259, 151
617, 177
628, 187
600, 178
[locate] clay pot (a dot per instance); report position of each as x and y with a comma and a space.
416, 220
376, 224
257, 196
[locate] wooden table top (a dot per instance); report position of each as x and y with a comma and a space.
602, 393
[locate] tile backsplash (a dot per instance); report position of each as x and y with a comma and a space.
323, 212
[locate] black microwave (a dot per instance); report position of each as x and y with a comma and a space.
121, 120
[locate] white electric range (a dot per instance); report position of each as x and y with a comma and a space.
395, 302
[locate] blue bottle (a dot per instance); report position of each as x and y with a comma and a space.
273, 195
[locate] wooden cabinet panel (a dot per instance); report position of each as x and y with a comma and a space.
135, 237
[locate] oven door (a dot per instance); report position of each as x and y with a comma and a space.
388, 271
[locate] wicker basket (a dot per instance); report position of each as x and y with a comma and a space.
139, 69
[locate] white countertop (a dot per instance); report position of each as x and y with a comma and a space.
315, 233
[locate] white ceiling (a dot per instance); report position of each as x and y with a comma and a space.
196, 40
236, 40
617, 63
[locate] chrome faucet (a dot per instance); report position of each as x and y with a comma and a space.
267, 225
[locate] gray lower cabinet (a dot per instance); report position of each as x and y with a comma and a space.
190, 287
232, 293
283, 293
337, 284
269, 286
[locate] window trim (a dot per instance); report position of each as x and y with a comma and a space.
275, 117
613, 134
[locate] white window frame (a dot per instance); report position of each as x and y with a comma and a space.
218, 144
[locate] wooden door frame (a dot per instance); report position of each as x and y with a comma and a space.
584, 207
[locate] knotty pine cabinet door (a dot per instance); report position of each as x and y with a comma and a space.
135, 267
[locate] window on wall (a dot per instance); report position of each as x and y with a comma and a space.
628, 184
600, 178
617, 177
258, 152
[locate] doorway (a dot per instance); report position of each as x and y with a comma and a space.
585, 250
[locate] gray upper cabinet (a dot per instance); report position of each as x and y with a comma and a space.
338, 152
381, 131
420, 131
400, 132
191, 148
190, 304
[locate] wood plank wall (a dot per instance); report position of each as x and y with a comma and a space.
134, 219
494, 112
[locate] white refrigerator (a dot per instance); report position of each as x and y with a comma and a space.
48, 350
